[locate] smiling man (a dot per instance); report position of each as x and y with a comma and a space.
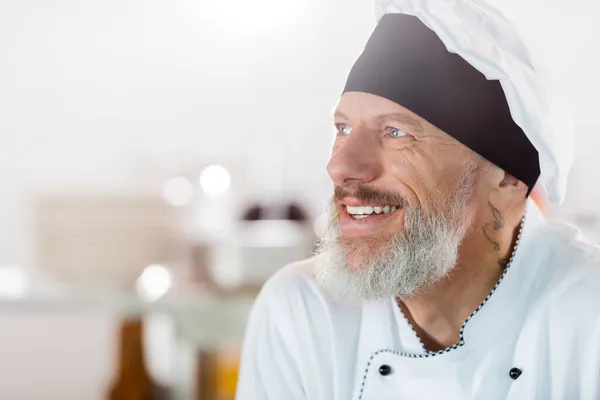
438, 277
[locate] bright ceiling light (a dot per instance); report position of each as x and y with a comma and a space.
155, 282
215, 180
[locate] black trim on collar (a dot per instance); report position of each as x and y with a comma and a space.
462, 329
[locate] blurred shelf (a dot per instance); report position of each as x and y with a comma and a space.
200, 318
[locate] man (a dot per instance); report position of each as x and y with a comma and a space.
438, 278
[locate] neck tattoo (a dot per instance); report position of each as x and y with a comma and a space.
461, 342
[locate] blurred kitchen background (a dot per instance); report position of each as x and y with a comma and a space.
160, 159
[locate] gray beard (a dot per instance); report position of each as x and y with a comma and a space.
374, 268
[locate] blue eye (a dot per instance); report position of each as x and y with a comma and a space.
396, 133
344, 129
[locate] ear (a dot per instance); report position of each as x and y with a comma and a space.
507, 191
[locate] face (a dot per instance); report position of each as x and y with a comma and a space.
401, 204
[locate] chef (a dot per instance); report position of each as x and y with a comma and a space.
438, 277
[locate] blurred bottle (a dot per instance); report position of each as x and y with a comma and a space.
217, 374
133, 381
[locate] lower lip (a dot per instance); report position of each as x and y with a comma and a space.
368, 225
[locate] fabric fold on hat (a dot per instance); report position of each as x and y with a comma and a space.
487, 40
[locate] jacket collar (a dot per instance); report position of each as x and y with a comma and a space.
506, 305
502, 311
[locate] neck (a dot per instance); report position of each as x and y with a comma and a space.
438, 312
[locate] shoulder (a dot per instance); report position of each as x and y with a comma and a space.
565, 323
292, 314
569, 239
576, 262
567, 277
572, 291
279, 335
563, 254
577, 295
292, 281
292, 294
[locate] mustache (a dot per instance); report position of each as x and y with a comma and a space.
366, 194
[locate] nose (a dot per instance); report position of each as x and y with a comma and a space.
355, 160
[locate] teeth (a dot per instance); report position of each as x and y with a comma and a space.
359, 210
364, 211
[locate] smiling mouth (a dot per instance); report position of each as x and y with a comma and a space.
361, 212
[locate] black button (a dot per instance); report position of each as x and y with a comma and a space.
385, 370
515, 373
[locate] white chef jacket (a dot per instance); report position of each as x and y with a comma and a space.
537, 336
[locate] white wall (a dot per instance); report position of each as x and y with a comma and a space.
94, 93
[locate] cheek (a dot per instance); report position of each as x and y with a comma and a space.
404, 176
422, 178
409, 162
424, 167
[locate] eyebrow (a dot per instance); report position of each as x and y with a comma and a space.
398, 117
403, 119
